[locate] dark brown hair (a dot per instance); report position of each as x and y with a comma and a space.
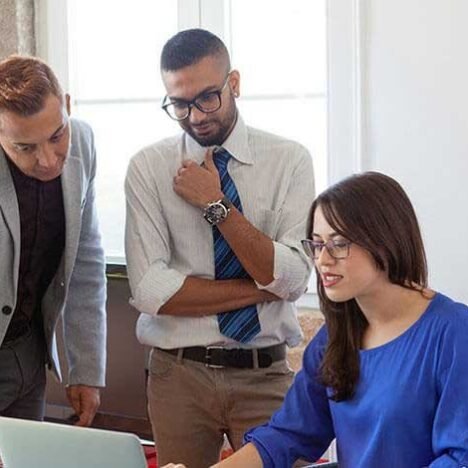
25, 83
373, 211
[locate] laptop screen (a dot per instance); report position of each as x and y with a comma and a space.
27, 444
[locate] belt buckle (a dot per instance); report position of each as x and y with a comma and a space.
208, 357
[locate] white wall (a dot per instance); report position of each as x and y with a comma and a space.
415, 79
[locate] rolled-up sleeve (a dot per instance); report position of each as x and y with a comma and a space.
147, 242
291, 266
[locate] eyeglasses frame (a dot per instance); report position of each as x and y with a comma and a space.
307, 246
193, 102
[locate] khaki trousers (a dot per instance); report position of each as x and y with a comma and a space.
193, 406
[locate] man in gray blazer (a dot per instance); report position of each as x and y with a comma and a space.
51, 259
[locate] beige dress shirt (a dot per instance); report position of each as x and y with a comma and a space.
167, 239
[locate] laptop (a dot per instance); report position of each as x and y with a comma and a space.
32, 444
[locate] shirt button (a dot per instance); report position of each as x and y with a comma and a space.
7, 310
62, 284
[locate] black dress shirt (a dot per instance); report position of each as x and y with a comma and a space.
42, 221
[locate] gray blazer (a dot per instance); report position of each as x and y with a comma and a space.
78, 290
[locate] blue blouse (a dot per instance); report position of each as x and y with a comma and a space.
410, 409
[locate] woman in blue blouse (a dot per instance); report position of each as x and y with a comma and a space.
388, 374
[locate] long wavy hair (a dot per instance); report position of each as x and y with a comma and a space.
372, 211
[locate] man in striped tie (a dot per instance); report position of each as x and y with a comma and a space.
214, 222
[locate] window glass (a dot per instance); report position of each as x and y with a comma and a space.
279, 48
115, 85
115, 47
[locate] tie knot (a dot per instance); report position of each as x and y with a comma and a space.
221, 158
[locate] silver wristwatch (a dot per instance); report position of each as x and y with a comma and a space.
217, 211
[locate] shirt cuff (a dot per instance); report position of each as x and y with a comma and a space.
291, 273
156, 287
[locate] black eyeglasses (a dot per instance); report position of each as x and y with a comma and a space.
206, 102
337, 249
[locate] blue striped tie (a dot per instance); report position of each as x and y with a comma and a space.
240, 324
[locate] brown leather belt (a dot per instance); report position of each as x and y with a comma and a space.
216, 356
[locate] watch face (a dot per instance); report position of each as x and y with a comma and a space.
215, 213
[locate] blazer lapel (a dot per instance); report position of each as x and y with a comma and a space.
72, 188
9, 201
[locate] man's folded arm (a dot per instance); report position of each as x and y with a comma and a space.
156, 286
278, 265
199, 296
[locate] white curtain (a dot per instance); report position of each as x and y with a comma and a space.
25, 27
17, 34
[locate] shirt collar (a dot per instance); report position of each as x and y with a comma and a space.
236, 143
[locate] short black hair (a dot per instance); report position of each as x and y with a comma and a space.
189, 47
